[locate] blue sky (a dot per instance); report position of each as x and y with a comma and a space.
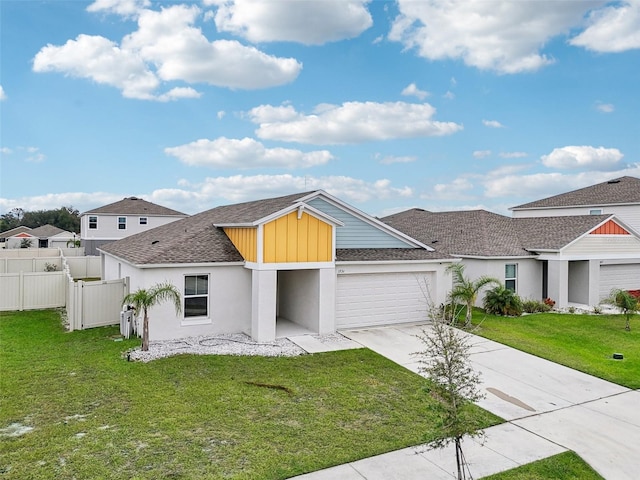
387, 105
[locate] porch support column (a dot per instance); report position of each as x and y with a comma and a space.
594, 282
326, 300
558, 282
263, 305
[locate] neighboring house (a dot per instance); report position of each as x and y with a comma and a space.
10, 233
619, 196
571, 259
118, 220
306, 262
46, 236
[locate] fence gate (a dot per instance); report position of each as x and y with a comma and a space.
99, 303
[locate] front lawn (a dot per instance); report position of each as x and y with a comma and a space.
583, 342
567, 466
95, 415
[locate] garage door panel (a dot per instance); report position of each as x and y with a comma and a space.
625, 277
380, 299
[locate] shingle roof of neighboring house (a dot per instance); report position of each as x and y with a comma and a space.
553, 233
485, 234
469, 232
134, 206
623, 190
46, 231
14, 231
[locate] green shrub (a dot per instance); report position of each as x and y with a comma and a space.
502, 301
535, 306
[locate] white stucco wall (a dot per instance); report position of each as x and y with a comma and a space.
229, 307
529, 275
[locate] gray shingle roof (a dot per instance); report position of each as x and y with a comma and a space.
470, 232
195, 239
189, 240
553, 233
14, 231
249, 212
134, 206
386, 254
486, 234
46, 231
623, 190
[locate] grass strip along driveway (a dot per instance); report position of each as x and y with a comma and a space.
95, 415
579, 341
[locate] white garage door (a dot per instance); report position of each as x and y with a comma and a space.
625, 277
381, 299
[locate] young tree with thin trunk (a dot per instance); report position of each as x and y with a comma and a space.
142, 299
454, 383
466, 290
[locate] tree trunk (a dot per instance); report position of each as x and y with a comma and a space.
459, 464
145, 332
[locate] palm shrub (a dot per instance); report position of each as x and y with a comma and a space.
502, 301
466, 290
627, 303
143, 299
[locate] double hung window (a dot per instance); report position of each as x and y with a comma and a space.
196, 296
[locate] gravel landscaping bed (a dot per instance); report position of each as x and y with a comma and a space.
224, 344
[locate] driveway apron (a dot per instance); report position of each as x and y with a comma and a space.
597, 419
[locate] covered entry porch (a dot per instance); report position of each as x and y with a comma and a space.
292, 301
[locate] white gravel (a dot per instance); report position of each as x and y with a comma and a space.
224, 344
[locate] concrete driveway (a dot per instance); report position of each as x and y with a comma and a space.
597, 419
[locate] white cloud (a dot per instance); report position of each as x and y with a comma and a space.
81, 201
390, 159
126, 8
540, 185
449, 95
166, 47
492, 124
513, 154
307, 22
352, 122
221, 114
456, 188
614, 28
6, 151
413, 90
3, 96
504, 36
102, 61
605, 107
481, 153
245, 153
583, 157
194, 197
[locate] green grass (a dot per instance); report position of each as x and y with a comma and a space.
95, 415
565, 466
583, 342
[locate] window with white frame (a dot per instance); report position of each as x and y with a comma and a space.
196, 296
595, 211
122, 223
93, 223
143, 220
510, 276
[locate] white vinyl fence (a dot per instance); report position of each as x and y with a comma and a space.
32, 290
26, 284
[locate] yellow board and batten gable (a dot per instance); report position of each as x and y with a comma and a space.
294, 237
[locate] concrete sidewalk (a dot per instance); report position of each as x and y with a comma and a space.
551, 408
